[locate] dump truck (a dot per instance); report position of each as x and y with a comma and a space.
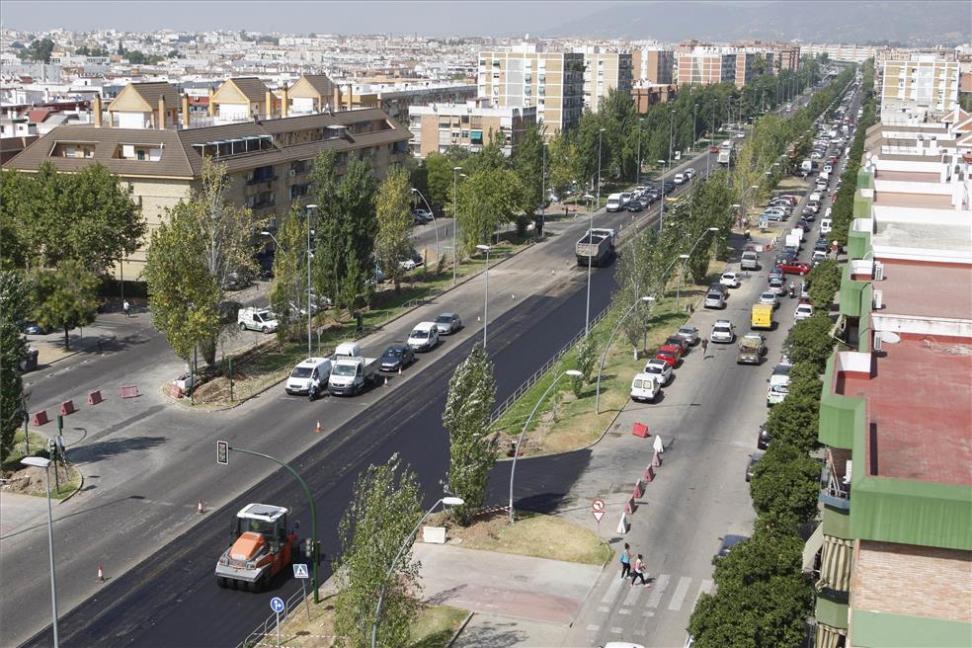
752, 347
727, 153
262, 546
596, 247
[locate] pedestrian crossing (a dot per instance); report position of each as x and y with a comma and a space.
626, 609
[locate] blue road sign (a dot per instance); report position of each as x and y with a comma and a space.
277, 604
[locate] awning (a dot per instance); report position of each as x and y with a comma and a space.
835, 563
828, 637
812, 546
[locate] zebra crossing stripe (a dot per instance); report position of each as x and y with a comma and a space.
632, 596
657, 589
612, 591
680, 591
705, 588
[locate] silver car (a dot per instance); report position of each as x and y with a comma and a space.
714, 299
689, 333
448, 323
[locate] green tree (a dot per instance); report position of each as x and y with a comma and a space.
472, 452
440, 176
14, 306
38, 50
65, 297
329, 254
785, 486
383, 512
586, 359
809, 340
394, 240
794, 421
529, 163
487, 199
563, 163
289, 288
183, 294
355, 195
824, 283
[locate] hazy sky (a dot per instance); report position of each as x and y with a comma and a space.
455, 18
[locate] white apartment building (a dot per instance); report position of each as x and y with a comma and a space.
603, 72
922, 84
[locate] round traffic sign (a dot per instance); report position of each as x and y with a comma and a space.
277, 604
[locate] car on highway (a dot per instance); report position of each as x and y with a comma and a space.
751, 466
448, 323
660, 369
424, 337
669, 186
794, 267
312, 371
802, 312
769, 297
689, 333
723, 332
689, 173
729, 280
635, 205
714, 299
396, 356
679, 178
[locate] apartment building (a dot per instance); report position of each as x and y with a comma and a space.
893, 554
647, 95
922, 84
156, 149
706, 65
603, 72
653, 65
787, 58
397, 99
470, 125
837, 52
526, 76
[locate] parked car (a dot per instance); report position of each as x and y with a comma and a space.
751, 466
397, 356
679, 341
421, 216
424, 337
312, 371
727, 544
826, 226
689, 333
660, 369
644, 388
794, 267
763, 438
723, 332
673, 349
448, 323
729, 280
802, 312
32, 328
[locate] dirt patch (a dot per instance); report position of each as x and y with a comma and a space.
30, 480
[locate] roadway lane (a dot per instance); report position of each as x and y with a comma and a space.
172, 591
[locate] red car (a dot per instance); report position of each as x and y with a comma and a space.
794, 267
678, 341
674, 349
667, 357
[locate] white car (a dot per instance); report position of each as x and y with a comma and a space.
802, 312
661, 370
644, 388
826, 225
689, 173
770, 298
679, 178
306, 373
729, 280
407, 264
424, 337
723, 332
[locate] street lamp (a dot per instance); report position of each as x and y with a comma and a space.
41, 462
661, 221
283, 247
486, 249
455, 220
681, 274
617, 326
435, 225
573, 373
445, 501
590, 236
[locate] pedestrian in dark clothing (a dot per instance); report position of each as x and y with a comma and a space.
705, 347
640, 570
625, 561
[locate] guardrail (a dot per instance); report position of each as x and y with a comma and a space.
258, 634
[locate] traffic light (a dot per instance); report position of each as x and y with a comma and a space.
222, 453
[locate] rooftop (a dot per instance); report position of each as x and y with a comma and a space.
897, 199
919, 410
939, 583
926, 289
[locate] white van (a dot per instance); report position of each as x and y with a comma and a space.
826, 225
614, 202
644, 388
257, 319
424, 337
306, 373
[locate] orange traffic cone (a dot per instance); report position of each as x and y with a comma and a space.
101, 574
317, 428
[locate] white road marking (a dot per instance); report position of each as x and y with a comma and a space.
657, 589
612, 591
706, 588
632, 597
617, 630
593, 627
680, 591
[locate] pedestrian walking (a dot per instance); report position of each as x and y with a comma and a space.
640, 570
127, 308
625, 561
705, 347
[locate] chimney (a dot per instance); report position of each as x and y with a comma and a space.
185, 110
284, 101
96, 109
268, 109
160, 124
212, 103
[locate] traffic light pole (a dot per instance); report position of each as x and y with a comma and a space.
310, 502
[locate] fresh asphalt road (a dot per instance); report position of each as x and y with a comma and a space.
170, 598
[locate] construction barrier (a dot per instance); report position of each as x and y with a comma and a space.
640, 430
656, 460
639, 490
95, 397
630, 506
649, 474
128, 391
67, 407
40, 418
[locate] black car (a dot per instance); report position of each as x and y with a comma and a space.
635, 205
397, 356
821, 246
32, 328
727, 544
763, 438
669, 186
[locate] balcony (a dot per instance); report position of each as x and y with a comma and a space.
836, 476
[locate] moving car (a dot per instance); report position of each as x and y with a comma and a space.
424, 337
32, 328
769, 297
777, 285
397, 356
729, 280
635, 205
421, 216
761, 315
794, 267
689, 174
613, 203
679, 178
689, 333
714, 299
308, 372
644, 388
723, 332
660, 369
749, 260
752, 348
448, 323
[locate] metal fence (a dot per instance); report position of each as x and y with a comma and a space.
268, 627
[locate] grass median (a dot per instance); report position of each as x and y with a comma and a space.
270, 361
565, 421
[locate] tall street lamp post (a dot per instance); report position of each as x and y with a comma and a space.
587, 310
310, 211
456, 172
573, 373
435, 223
41, 462
486, 249
445, 501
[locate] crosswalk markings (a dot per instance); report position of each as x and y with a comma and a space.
657, 590
633, 592
612, 591
680, 591
706, 587
617, 629
593, 627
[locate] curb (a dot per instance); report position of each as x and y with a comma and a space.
76, 490
462, 626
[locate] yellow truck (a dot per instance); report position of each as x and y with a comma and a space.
762, 316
